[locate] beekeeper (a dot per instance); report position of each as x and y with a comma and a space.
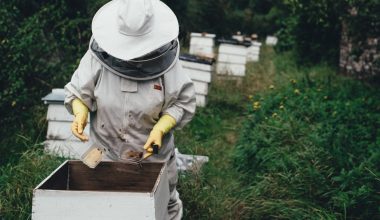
132, 84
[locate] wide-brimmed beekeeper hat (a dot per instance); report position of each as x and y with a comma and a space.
128, 29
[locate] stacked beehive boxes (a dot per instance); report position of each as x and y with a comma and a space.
59, 138
253, 52
199, 70
202, 44
232, 57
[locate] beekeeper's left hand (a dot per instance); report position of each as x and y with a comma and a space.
162, 127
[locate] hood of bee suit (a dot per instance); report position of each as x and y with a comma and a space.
149, 66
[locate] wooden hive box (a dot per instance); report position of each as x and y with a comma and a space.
202, 44
112, 190
59, 138
254, 52
271, 40
200, 72
231, 59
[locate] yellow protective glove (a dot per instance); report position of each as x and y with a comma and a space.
80, 111
162, 127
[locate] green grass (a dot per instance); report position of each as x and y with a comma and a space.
262, 165
17, 182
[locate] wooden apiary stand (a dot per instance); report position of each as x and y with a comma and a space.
202, 44
199, 70
112, 190
59, 139
231, 59
253, 52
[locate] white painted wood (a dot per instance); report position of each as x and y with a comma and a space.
61, 130
69, 149
207, 35
201, 50
238, 37
198, 75
204, 41
54, 204
231, 58
271, 40
230, 69
202, 44
58, 112
252, 58
232, 49
253, 49
98, 205
161, 195
200, 87
201, 100
196, 66
256, 43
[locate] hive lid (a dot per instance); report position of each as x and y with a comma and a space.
57, 96
196, 59
234, 42
202, 35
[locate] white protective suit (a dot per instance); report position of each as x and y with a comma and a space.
124, 111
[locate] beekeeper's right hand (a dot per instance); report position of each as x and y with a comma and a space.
80, 111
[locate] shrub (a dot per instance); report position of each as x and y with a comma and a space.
312, 149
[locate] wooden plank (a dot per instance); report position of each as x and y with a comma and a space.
61, 130
110, 191
231, 58
238, 37
113, 176
79, 205
200, 87
193, 34
230, 69
69, 149
232, 49
271, 40
57, 179
161, 194
252, 58
253, 49
202, 41
201, 50
201, 100
58, 112
196, 66
198, 75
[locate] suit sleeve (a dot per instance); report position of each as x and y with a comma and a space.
179, 95
83, 82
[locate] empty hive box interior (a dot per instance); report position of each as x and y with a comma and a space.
107, 176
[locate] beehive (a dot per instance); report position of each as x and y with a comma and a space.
202, 44
253, 52
271, 40
112, 190
232, 58
199, 70
59, 138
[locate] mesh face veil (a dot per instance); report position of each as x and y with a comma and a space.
149, 66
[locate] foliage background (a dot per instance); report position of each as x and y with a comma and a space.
41, 43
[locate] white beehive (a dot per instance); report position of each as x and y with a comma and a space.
271, 40
199, 71
202, 44
231, 59
59, 139
253, 52
113, 190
